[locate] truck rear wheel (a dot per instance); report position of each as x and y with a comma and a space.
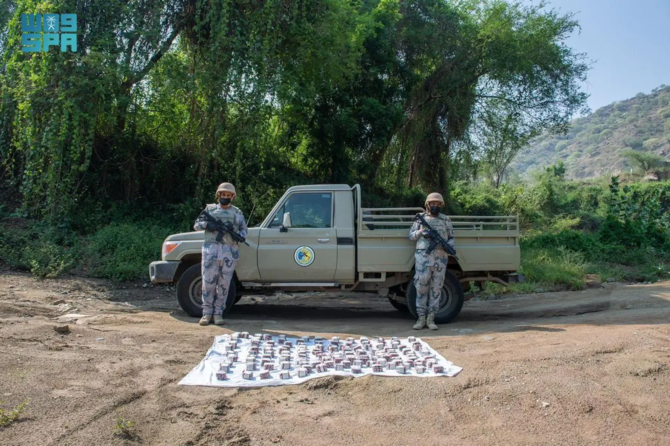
189, 292
451, 300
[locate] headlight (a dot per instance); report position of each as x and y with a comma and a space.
168, 247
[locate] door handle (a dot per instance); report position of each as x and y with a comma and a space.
323, 240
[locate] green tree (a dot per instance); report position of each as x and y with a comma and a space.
557, 170
645, 162
164, 99
502, 133
469, 54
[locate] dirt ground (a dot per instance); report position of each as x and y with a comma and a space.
566, 368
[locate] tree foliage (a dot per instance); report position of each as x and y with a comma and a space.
165, 99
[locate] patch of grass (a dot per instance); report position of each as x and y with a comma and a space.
492, 289
7, 417
550, 269
608, 270
559, 266
562, 269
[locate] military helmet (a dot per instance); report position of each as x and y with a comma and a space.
434, 197
226, 187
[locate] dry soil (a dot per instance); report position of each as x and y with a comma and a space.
572, 368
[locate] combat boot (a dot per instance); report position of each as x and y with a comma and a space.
218, 320
420, 323
431, 321
205, 320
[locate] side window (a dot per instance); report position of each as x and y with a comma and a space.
308, 210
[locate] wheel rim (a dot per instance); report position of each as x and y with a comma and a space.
445, 299
195, 292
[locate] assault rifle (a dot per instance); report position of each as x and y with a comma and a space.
222, 228
435, 237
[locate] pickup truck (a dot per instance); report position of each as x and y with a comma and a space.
319, 238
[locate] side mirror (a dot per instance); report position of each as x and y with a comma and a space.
286, 223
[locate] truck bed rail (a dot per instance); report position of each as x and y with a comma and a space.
396, 218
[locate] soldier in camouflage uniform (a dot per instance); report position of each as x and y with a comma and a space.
219, 258
431, 268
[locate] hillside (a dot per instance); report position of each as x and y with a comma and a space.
595, 143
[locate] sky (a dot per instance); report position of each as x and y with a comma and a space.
628, 42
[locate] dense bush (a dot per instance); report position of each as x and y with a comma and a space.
117, 251
573, 241
124, 251
572, 228
45, 251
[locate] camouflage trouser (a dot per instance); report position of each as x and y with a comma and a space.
428, 280
216, 277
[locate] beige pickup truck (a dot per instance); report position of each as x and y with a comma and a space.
319, 238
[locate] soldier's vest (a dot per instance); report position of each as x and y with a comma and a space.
440, 224
224, 215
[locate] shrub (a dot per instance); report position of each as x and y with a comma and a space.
616, 233
569, 240
124, 428
7, 417
48, 260
45, 251
12, 246
124, 251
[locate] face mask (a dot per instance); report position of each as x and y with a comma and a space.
435, 210
224, 201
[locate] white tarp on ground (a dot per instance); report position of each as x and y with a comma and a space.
312, 357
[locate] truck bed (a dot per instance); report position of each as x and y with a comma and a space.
486, 243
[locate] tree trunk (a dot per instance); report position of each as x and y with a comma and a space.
412, 168
445, 172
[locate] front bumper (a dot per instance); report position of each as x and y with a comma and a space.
163, 271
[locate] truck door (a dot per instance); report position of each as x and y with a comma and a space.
307, 251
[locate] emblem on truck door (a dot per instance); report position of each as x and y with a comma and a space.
304, 256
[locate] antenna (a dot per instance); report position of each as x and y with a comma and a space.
251, 214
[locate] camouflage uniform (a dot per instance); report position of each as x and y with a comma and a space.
219, 258
430, 268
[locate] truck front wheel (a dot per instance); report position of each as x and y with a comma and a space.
189, 292
451, 300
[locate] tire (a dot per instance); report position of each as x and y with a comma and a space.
398, 306
189, 292
451, 301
